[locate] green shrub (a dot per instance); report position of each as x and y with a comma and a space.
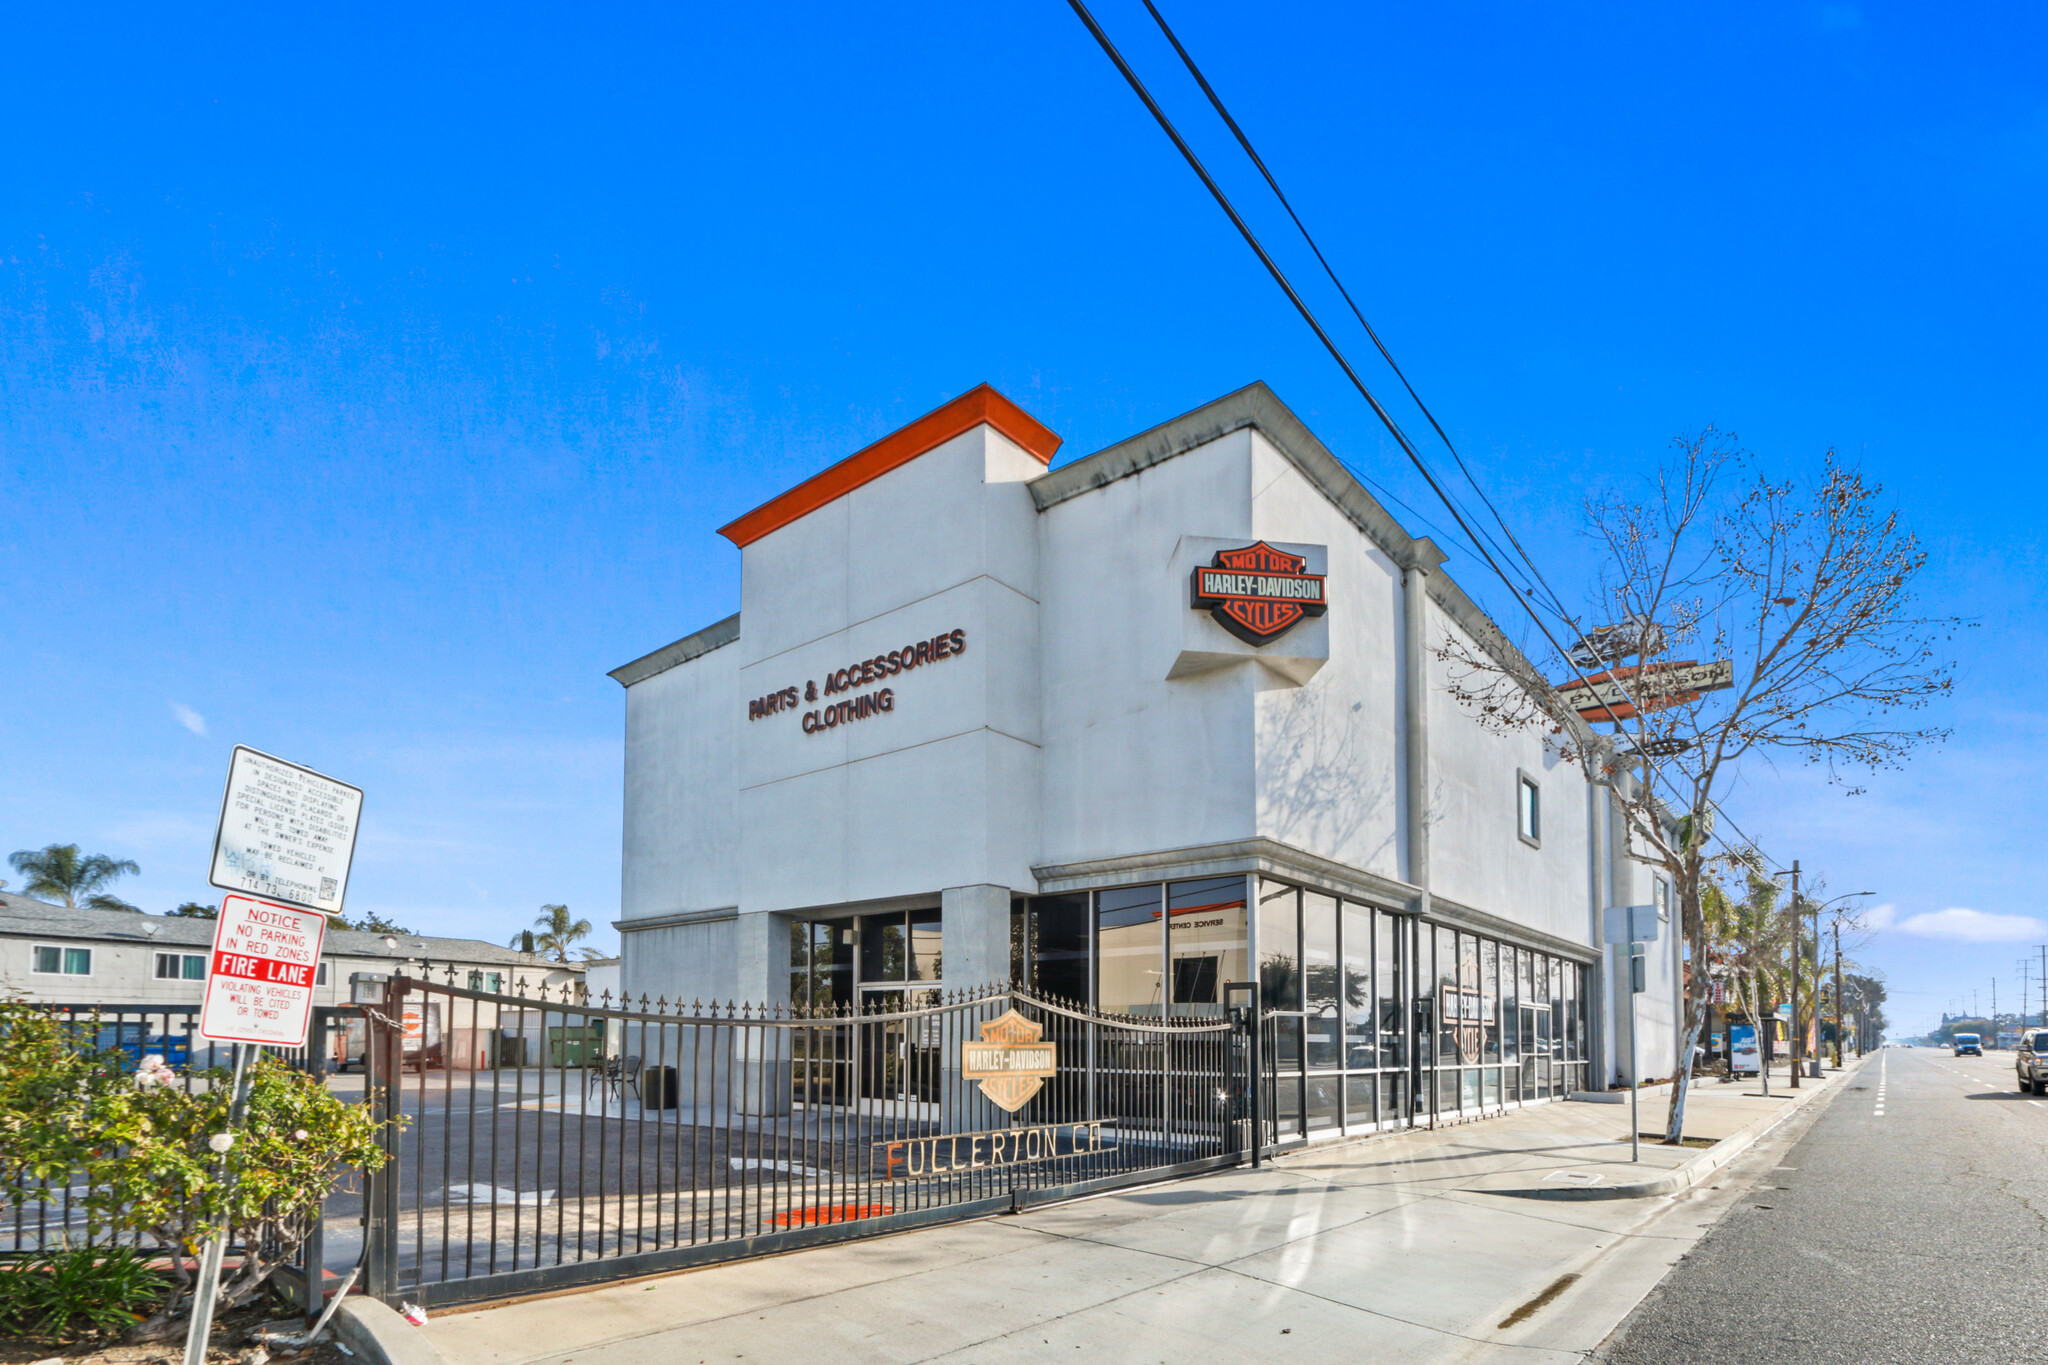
83, 1292
138, 1142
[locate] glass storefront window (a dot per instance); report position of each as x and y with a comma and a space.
1489, 999
1129, 951
925, 962
1361, 1032
1359, 1094
1571, 1012
1510, 1012
1287, 1105
1279, 946
1557, 1003
1207, 942
1286, 1042
1422, 1029
1325, 1097
1387, 970
884, 949
1057, 946
1449, 1010
1393, 1095
1320, 980
1348, 989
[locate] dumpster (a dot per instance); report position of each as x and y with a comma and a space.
576, 1045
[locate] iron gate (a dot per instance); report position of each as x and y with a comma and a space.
551, 1142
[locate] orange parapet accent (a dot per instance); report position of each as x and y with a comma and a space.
829, 1213
978, 405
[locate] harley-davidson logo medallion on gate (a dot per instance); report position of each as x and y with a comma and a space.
1009, 1061
1258, 593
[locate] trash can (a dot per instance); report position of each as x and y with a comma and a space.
658, 1088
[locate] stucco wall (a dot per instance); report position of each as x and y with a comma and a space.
941, 789
1134, 762
681, 848
1329, 756
1476, 855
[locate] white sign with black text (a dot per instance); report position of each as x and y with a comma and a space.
286, 833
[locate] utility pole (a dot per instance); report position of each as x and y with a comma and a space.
1994, 1014
1798, 1039
2044, 984
1838, 995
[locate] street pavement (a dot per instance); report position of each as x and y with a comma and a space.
1908, 1223
1401, 1248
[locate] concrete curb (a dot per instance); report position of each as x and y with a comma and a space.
374, 1331
1681, 1178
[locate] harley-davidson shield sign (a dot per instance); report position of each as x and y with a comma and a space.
1009, 1061
1258, 593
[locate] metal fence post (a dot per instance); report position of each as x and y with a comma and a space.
382, 1060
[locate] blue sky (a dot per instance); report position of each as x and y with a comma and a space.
372, 383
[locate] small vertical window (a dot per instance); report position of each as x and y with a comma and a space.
1528, 809
49, 960
195, 967
492, 980
320, 977
167, 967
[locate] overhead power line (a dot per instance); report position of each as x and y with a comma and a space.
1329, 344
1478, 540
1244, 141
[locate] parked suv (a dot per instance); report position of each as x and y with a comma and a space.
2030, 1060
1969, 1045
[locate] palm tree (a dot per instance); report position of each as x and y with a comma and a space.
556, 931
60, 870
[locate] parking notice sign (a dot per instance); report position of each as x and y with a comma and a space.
286, 833
259, 983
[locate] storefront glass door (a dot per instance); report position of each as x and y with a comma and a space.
901, 1058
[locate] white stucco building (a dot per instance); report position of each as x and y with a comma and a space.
980, 719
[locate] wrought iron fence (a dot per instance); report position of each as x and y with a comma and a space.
47, 1215
547, 1142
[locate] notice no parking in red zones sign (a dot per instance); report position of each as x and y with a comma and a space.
259, 985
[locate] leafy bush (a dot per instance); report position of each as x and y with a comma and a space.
50, 1079
140, 1143
82, 1292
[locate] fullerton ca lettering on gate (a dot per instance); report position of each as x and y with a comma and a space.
914, 1157
865, 673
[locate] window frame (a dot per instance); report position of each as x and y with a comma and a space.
1529, 802
178, 960
63, 952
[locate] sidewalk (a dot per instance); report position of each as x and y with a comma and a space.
1399, 1247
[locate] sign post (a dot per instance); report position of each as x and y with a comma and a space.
288, 835
1634, 925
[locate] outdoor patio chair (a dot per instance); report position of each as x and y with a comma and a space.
616, 1075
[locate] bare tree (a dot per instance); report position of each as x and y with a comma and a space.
1810, 596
